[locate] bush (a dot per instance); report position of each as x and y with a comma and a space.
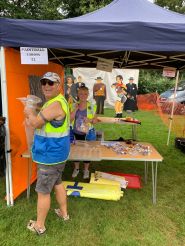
152, 81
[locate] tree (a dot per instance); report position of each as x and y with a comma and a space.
174, 5
31, 9
44, 9
59, 9
74, 8
152, 81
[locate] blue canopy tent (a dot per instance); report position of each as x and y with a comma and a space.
133, 33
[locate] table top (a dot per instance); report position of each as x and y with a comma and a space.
95, 151
152, 155
116, 121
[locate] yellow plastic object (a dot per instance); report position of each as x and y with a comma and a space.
98, 191
107, 176
98, 180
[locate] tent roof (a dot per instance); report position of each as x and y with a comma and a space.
117, 31
131, 11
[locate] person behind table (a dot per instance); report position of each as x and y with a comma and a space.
99, 94
50, 150
120, 89
131, 102
83, 117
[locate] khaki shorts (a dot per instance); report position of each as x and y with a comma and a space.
48, 177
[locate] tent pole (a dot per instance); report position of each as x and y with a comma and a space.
173, 105
9, 193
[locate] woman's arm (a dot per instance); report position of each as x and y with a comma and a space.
94, 120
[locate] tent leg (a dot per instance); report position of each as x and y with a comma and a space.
173, 105
7, 187
7, 138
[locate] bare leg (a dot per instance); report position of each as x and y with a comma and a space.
77, 164
43, 206
76, 170
86, 170
86, 166
61, 198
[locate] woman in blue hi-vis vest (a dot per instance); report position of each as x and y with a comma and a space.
50, 150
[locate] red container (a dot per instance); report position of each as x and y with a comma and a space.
134, 181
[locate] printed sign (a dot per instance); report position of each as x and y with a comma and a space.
33, 55
105, 65
169, 72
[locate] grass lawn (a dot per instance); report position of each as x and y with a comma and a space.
132, 221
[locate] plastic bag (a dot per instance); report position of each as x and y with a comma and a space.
30, 101
82, 125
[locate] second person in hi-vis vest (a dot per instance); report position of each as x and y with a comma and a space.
83, 117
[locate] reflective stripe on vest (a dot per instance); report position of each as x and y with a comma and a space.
41, 132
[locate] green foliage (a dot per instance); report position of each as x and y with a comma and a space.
75, 8
174, 5
59, 9
45, 10
152, 81
31, 9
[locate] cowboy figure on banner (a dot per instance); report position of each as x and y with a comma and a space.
121, 92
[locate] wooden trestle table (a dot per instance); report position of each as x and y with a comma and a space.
95, 151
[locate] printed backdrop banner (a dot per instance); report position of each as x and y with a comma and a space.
90, 74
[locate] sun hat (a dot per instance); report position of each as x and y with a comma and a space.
51, 76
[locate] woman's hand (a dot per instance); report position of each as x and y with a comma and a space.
95, 120
86, 120
92, 121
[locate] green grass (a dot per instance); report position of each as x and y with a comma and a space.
132, 221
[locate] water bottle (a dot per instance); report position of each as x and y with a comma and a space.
72, 137
91, 135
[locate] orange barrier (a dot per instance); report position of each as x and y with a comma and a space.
166, 107
151, 102
147, 101
18, 86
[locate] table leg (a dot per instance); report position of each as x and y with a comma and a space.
134, 132
146, 172
154, 181
29, 177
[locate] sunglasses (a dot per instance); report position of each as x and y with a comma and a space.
44, 82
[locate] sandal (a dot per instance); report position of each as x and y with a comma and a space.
58, 213
31, 227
